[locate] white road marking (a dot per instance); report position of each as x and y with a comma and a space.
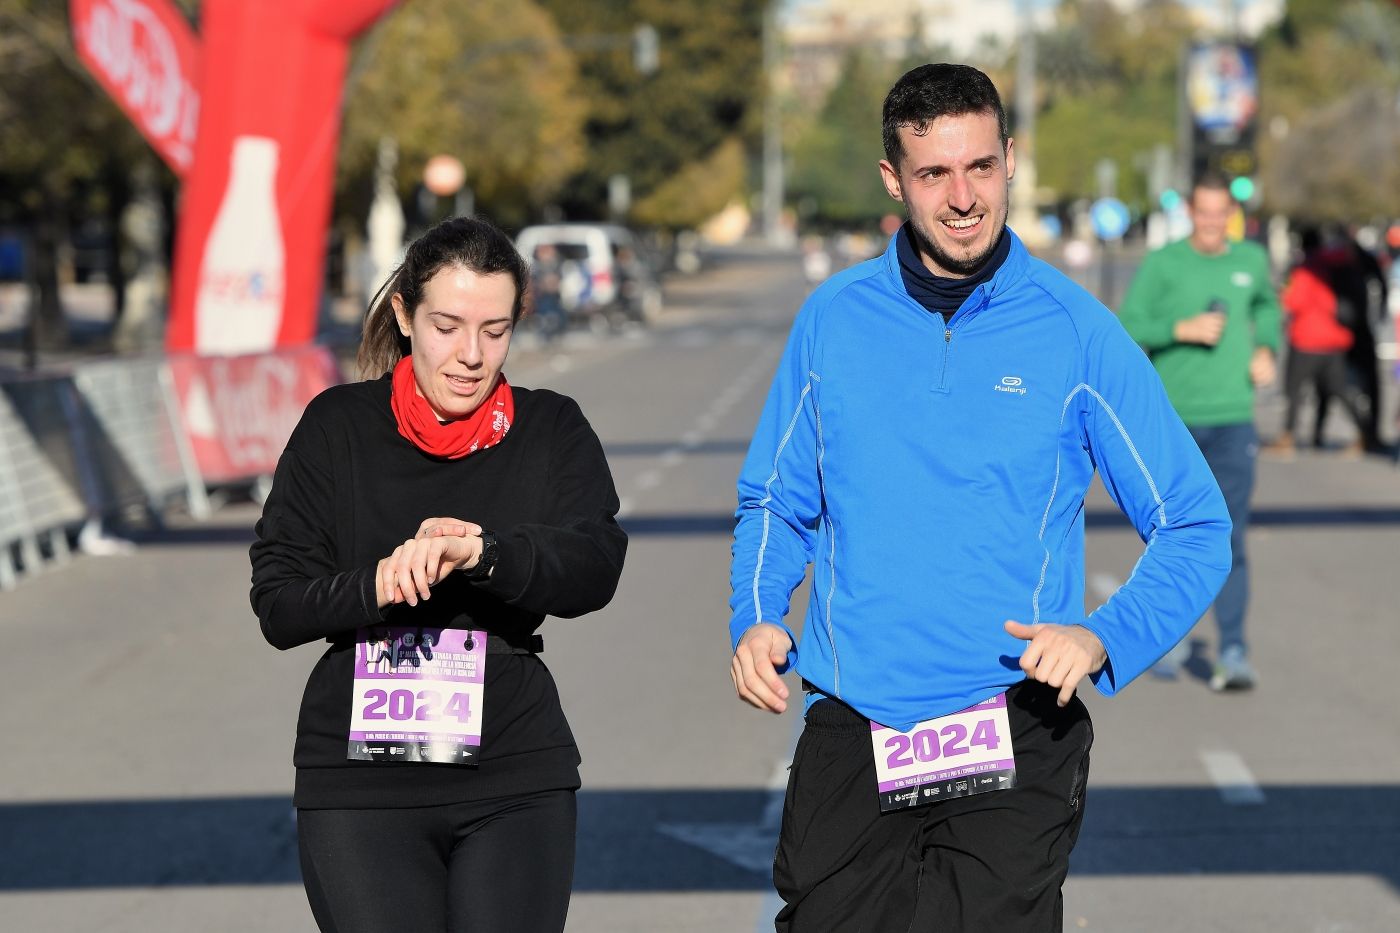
1232, 777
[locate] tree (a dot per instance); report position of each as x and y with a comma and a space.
702, 102
1330, 107
488, 81
1109, 90
66, 149
835, 176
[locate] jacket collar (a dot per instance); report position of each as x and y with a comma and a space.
1011, 271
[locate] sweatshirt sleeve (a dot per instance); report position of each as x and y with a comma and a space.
569, 565
1141, 316
297, 592
1156, 475
1264, 309
779, 492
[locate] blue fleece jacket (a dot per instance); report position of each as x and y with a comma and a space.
934, 476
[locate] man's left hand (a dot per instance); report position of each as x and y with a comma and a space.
1059, 655
1262, 368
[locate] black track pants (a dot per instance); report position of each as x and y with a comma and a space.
993, 861
493, 866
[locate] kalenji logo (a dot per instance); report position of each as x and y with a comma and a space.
1010, 384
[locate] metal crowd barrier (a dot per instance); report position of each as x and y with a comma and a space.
95, 442
36, 501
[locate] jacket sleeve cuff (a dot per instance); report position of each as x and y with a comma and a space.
511, 575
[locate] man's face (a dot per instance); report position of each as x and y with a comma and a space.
955, 183
1210, 211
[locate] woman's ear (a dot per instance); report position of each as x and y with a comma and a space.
401, 315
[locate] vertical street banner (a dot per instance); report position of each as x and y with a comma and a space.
250, 245
145, 56
1222, 94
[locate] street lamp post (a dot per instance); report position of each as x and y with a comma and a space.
1024, 218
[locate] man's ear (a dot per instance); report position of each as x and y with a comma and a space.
890, 178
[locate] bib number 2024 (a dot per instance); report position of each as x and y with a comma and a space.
951, 741
420, 706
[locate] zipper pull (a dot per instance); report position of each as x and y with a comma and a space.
948, 335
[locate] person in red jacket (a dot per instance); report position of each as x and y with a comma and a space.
1317, 344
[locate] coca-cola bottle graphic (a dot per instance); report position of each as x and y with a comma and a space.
238, 308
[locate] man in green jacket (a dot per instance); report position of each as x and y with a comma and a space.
1205, 311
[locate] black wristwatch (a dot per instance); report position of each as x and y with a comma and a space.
487, 562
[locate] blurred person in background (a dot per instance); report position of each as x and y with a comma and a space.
437, 500
1317, 345
927, 444
1361, 295
546, 280
1204, 310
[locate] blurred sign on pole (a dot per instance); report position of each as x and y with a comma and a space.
619, 197
646, 49
145, 55
250, 244
1222, 95
444, 175
1110, 218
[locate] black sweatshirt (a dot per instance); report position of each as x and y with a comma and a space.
347, 491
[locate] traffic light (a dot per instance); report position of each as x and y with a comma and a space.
1169, 199
1242, 188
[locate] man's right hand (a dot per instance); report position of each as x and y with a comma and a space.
1204, 329
754, 667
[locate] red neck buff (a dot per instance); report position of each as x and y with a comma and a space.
419, 423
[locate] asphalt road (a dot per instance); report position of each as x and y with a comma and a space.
147, 728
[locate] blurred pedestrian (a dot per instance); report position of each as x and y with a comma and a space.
436, 499
1361, 296
546, 281
1317, 345
1205, 311
927, 444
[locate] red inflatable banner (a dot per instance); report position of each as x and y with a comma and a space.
250, 245
145, 55
239, 411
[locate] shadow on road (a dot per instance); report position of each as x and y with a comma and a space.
705, 840
1280, 517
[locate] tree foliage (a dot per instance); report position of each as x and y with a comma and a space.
655, 128
488, 81
66, 150
1330, 111
1108, 84
835, 177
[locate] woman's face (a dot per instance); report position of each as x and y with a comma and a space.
460, 334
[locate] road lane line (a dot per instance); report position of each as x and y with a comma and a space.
1232, 777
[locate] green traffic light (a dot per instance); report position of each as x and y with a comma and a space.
1242, 188
1169, 199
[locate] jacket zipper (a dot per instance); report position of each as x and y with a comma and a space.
948, 334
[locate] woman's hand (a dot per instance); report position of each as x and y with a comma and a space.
436, 527
408, 574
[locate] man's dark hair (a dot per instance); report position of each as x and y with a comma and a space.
1210, 180
938, 90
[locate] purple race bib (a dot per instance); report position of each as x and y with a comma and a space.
957, 755
417, 695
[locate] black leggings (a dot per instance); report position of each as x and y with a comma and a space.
492, 866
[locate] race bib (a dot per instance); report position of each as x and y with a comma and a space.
417, 695
957, 755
